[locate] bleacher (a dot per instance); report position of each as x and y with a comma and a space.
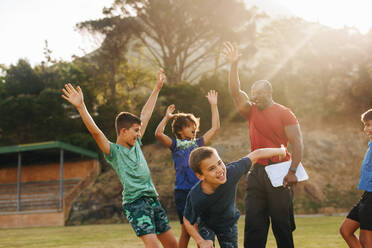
43, 195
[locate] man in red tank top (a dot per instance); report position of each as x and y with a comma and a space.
270, 125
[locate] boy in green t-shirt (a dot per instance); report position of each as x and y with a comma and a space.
140, 199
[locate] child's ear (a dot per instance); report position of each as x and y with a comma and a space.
200, 176
122, 131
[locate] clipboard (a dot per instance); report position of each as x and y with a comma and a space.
277, 172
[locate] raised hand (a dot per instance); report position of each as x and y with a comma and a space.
75, 97
231, 52
212, 97
170, 110
161, 78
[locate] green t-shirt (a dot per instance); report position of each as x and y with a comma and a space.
133, 171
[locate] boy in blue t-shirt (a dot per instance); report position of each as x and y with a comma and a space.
211, 202
140, 199
360, 216
185, 127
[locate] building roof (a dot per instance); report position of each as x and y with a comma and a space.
47, 145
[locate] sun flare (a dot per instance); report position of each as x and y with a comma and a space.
336, 14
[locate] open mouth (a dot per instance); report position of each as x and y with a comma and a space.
221, 176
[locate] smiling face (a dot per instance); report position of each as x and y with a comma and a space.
213, 171
130, 135
261, 94
189, 131
368, 128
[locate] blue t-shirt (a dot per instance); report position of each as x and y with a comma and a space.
365, 182
217, 210
181, 149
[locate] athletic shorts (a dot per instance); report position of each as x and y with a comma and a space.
180, 197
362, 212
146, 215
227, 238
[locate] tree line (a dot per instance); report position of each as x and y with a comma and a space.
316, 70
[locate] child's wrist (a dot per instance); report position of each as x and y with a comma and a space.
80, 107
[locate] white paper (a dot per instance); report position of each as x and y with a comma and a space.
277, 172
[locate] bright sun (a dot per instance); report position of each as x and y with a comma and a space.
334, 13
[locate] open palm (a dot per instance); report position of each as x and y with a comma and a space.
231, 52
212, 97
72, 95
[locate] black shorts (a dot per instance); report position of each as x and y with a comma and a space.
362, 211
180, 198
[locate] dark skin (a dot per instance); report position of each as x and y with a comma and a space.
261, 93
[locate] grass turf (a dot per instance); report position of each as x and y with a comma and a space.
311, 232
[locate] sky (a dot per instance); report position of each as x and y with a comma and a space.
26, 24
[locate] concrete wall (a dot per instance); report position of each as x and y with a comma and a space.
46, 172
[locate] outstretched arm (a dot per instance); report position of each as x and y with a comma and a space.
148, 108
241, 99
267, 153
159, 132
202, 243
76, 98
212, 99
294, 136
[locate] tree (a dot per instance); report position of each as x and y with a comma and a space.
183, 37
317, 70
22, 79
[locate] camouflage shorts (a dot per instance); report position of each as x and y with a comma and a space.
146, 215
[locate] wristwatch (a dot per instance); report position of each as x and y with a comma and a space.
293, 169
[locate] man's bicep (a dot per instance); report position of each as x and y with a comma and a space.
293, 133
243, 105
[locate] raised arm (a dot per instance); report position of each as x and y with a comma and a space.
148, 108
76, 98
202, 243
241, 99
294, 136
267, 153
212, 99
159, 132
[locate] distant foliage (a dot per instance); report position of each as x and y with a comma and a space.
316, 70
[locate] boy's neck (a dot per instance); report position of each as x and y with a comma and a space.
208, 188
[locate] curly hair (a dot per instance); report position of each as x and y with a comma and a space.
181, 120
366, 116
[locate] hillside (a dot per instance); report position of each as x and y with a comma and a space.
332, 158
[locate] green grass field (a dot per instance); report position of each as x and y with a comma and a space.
311, 232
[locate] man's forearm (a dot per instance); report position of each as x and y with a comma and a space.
234, 83
297, 149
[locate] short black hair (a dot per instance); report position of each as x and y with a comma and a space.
367, 116
181, 120
198, 155
125, 120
